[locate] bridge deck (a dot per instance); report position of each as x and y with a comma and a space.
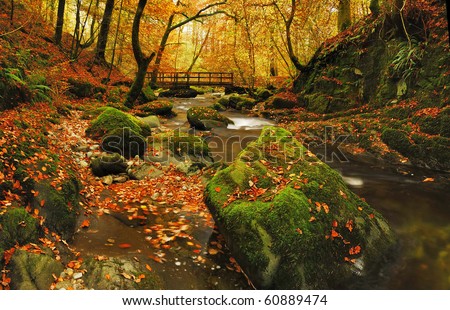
169, 79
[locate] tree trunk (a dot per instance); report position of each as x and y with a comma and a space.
104, 31
344, 15
142, 61
375, 7
60, 21
162, 47
294, 59
448, 19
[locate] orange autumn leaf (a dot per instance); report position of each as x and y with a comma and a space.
124, 245
108, 277
326, 208
372, 216
85, 224
428, 180
355, 250
334, 234
218, 189
36, 212
349, 225
147, 266
299, 231
334, 223
42, 202
312, 219
16, 184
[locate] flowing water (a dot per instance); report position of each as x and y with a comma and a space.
418, 212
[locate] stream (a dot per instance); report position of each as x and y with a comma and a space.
418, 212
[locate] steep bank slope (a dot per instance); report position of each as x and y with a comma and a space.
386, 88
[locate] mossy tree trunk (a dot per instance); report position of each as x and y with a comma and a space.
104, 31
344, 15
60, 21
142, 61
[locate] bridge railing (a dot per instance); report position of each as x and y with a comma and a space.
195, 79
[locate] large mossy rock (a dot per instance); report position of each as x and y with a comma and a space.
124, 141
292, 223
111, 119
108, 164
119, 274
203, 118
32, 271
158, 107
17, 226
83, 89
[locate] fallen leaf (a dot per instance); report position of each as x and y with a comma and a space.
85, 224
349, 225
147, 266
212, 251
108, 277
312, 219
299, 231
124, 245
334, 223
428, 180
334, 234
218, 189
355, 250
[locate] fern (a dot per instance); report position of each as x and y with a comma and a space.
407, 60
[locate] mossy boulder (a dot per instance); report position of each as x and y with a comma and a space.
285, 100
32, 271
59, 206
83, 89
181, 92
17, 226
292, 223
158, 107
13, 88
149, 94
111, 119
263, 94
125, 142
152, 121
108, 164
203, 118
180, 143
119, 274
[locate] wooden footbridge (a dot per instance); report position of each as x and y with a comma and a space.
174, 79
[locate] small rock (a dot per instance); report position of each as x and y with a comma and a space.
178, 178
89, 154
108, 180
84, 164
120, 179
77, 275
69, 272
82, 148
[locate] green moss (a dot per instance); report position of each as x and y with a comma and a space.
125, 142
18, 227
111, 119
201, 118
149, 94
280, 237
158, 107
180, 143
80, 88
397, 139
218, 107
60, 207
